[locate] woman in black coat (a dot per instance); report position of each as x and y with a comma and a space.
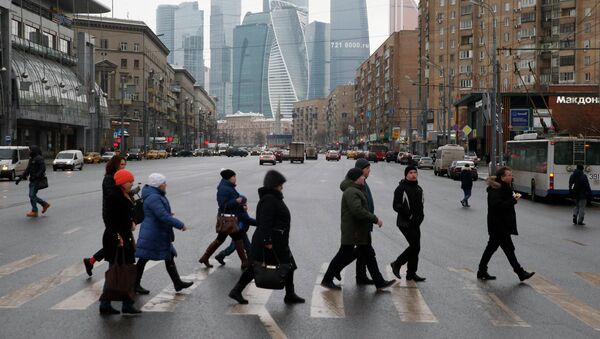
271, 237
119, 233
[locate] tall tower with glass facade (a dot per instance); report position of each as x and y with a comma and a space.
317, 42
165, 27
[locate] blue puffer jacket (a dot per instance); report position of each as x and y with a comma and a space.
156, 233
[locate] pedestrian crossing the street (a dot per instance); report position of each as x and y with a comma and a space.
411, 301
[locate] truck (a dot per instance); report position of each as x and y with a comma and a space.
311, 153
222, 148
297, 152
445, 155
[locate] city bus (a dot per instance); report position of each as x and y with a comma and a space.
542, 167
379, 150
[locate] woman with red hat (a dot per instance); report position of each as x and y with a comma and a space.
118, 233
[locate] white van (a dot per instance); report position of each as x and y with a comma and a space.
70, 159
445, 155
13, 161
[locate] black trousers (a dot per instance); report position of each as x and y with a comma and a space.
361, 265
505, 242
347, 254
99, 256
411, 254
221, 237
169, 264
248, 276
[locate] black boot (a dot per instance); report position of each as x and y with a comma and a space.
220, 258
129, 308
484, 275
177, 283
524, 275
290, 294
236, 294
574, 220
107, 309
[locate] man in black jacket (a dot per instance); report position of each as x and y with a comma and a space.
579, 187
408, 203
36, 171
502, 223
466, 183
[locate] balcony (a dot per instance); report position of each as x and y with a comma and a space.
43, 51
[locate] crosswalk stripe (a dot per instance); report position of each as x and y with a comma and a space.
18, 265
568, 303
326, 303
34, 290
592, 278
257, 299
498, 312
89, 295
167, 299
409, 301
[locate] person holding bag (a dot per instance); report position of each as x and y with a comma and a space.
118, 237
271, 238
36, 171
231, 211
156, 236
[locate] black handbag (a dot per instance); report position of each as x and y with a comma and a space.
119, 280
138, 209
269, 276
42, 183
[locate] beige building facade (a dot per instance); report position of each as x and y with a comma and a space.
312, 123
250, 129
340, 106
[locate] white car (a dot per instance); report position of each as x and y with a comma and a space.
425, 162
267, 157
69, 159
332, 155
107, 156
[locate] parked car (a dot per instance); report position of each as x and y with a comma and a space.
415, 159
267, 156
236, 152
69, 159
371, 156
457, 166
255, 152
13, 161
185, 153
425, 162
404, 158
351, 154
332, 155
152, 154
342, 153
107, 156
472, 156
134, 153
92, 158
162, 154
203, 152
391, 156
285, 155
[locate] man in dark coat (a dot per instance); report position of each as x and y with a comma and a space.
466, 184
361, 266
579, 187
502, 223
36, 171
408, 203
356, 224
271, 238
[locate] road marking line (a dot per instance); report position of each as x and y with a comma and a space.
72, 231
168, 299
568, 303
257, 299
409, 301
89, 295
326, 303
23, 264
592, 278
498, 312
36, 289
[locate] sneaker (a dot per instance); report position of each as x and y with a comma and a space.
88, 266
386, 284
485, 276
396, 269
330, 285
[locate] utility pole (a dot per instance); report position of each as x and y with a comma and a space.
410, 148
122, 148
449, 120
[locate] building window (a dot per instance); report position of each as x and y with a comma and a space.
506, 22
567, 60
136, 64
586, 44
453, 15
64, 46
123, 63
441, 30
587, 27
527, 3
481, 55
453, 29
442, 3
104, 43
452, 2
587, 60
48, 40
31, 33
567, 76
441, 59
442, 44
451, 57
466, 24
136, 47
506, 36
123, 46
588, 76
528, 17
466, 83
136, 80
481, 70
507, 7
481, 41
465, 54
453, 44
15, 28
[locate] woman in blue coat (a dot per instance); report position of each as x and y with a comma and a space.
156, 233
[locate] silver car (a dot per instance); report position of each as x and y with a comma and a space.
425, 162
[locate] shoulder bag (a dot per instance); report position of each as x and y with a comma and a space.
227, 223
119, 279
268, 276
42, 183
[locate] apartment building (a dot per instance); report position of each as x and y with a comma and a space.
311, 121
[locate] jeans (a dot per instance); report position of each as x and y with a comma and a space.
579, 210
467, 192
33, 198
231, 248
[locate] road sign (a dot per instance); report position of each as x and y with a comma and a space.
520, 119
396, 133
467, 130
8, 139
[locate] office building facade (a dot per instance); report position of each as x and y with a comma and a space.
165, 27
404, 15
319, 58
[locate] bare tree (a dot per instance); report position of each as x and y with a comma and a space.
259, 138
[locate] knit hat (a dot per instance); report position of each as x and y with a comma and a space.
354, 173
362, 163
408, 169
123, 176
580, 167
227, 174
273, 179
156, 179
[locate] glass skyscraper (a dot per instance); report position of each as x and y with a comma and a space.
317, 42
349, 39
224, 17
165, 27
251, 48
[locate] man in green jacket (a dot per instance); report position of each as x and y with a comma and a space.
356, 227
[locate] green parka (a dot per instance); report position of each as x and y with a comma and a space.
356, 218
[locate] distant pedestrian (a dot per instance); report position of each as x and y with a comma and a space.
227, 198
119, 233
466, 183
502, 223
356, 222
230, 202
271, 238
155, 241
581, 192
361, 266
108, 185
408, 203
36, 172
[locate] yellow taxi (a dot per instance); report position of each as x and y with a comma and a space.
152, 154
162, 154
92, 158
351, 154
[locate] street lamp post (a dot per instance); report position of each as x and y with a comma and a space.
122, 148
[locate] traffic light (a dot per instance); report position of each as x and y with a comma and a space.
362, 115
116, 145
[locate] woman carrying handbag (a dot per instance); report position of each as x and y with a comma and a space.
271, 238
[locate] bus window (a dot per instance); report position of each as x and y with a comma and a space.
592, 154
528, 156
563, 153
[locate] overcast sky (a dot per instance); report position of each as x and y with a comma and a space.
145, 10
